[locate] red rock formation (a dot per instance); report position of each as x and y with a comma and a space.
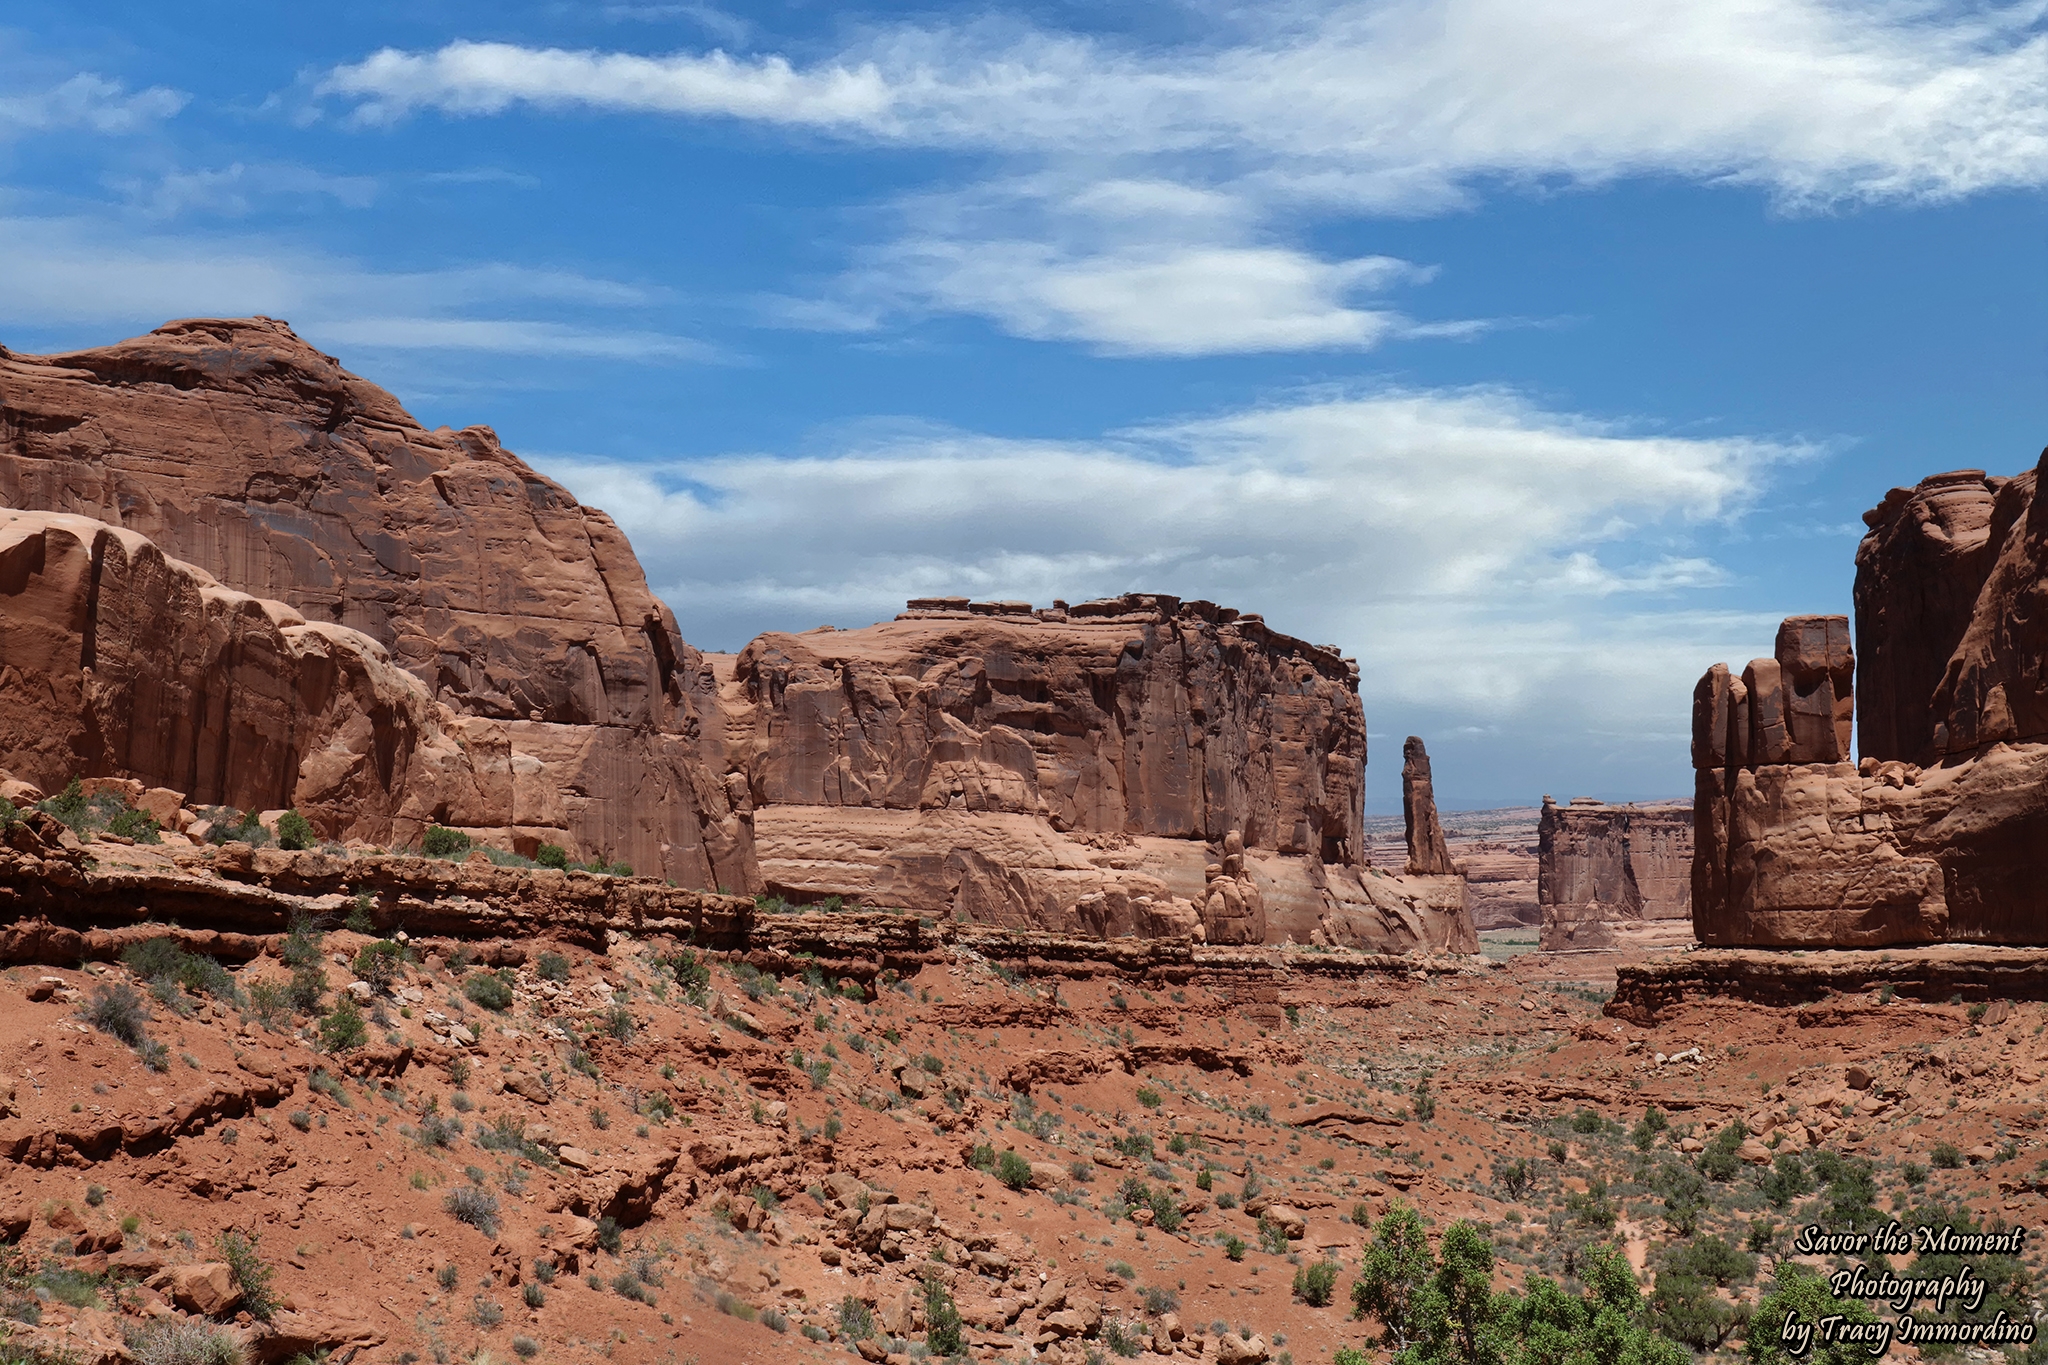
1016, 767
233, 445
1138, 715
1428, 854
1918, 573
1798, 847
1614, 876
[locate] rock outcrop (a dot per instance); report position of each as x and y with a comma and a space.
1130, 761
237, 574
1614, 876
237, 448
1428, 854
1937, 833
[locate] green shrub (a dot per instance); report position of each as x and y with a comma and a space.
943, 1336
1946, 1156
307, 985
552, 966
1234, 1246
342, 1028
490, 990
252, 1276
301, 943
552, 855
137, 825
609, 1235
1718, 1161
441, 842
1587, 1121
1149, 1097
1124, 1338
380, 963
1013, 1170
295, 831
117, 1010
1315, 1284
856, 1323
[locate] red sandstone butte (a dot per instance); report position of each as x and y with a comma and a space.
1103, 761
236, 447
1939, 831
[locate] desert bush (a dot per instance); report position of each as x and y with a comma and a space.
1718, 1161
535, 1296
1316, 1284
943, 1336
609, 1236
1513, 1177
1124, 1338
552, 855
441, 842
307, 985
1149, 1097
1234, 1246
1422, 1103
551, 966
490, 990
295, 831
1946, 1156
342, 1028
526, 1348
117, 1010
380, 963
252, 1276
181, 1341
476, 1207
856, 1323
1013, 1170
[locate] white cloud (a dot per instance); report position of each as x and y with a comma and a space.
1458, 542
487, 78
1151, 201
91, 102
63, 274
1390, 104
237, 189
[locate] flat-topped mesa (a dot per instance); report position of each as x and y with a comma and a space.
1614, 876
1142, 764
235, 447
1937, 833
1428, 854
1181, 720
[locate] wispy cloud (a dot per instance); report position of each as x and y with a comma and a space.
1152, 200
62, 274
487, 78
1472, 548
90, 102
1399, 105
239, 189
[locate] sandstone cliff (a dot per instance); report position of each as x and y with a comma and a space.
1144, 764
1614, 876
1938, 832
234, 446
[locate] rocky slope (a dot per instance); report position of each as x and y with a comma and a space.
1613, 876
235, 447
1937, 832
562, 1134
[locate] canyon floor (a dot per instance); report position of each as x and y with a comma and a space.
643, 1154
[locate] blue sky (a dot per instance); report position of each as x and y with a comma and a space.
1538, 354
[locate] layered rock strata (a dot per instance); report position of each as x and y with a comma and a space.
235, 447
1140, 763
1939, 831
1614, 876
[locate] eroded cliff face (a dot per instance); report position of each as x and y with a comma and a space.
1135, 762
1939, 831
237, 448
1614, 876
